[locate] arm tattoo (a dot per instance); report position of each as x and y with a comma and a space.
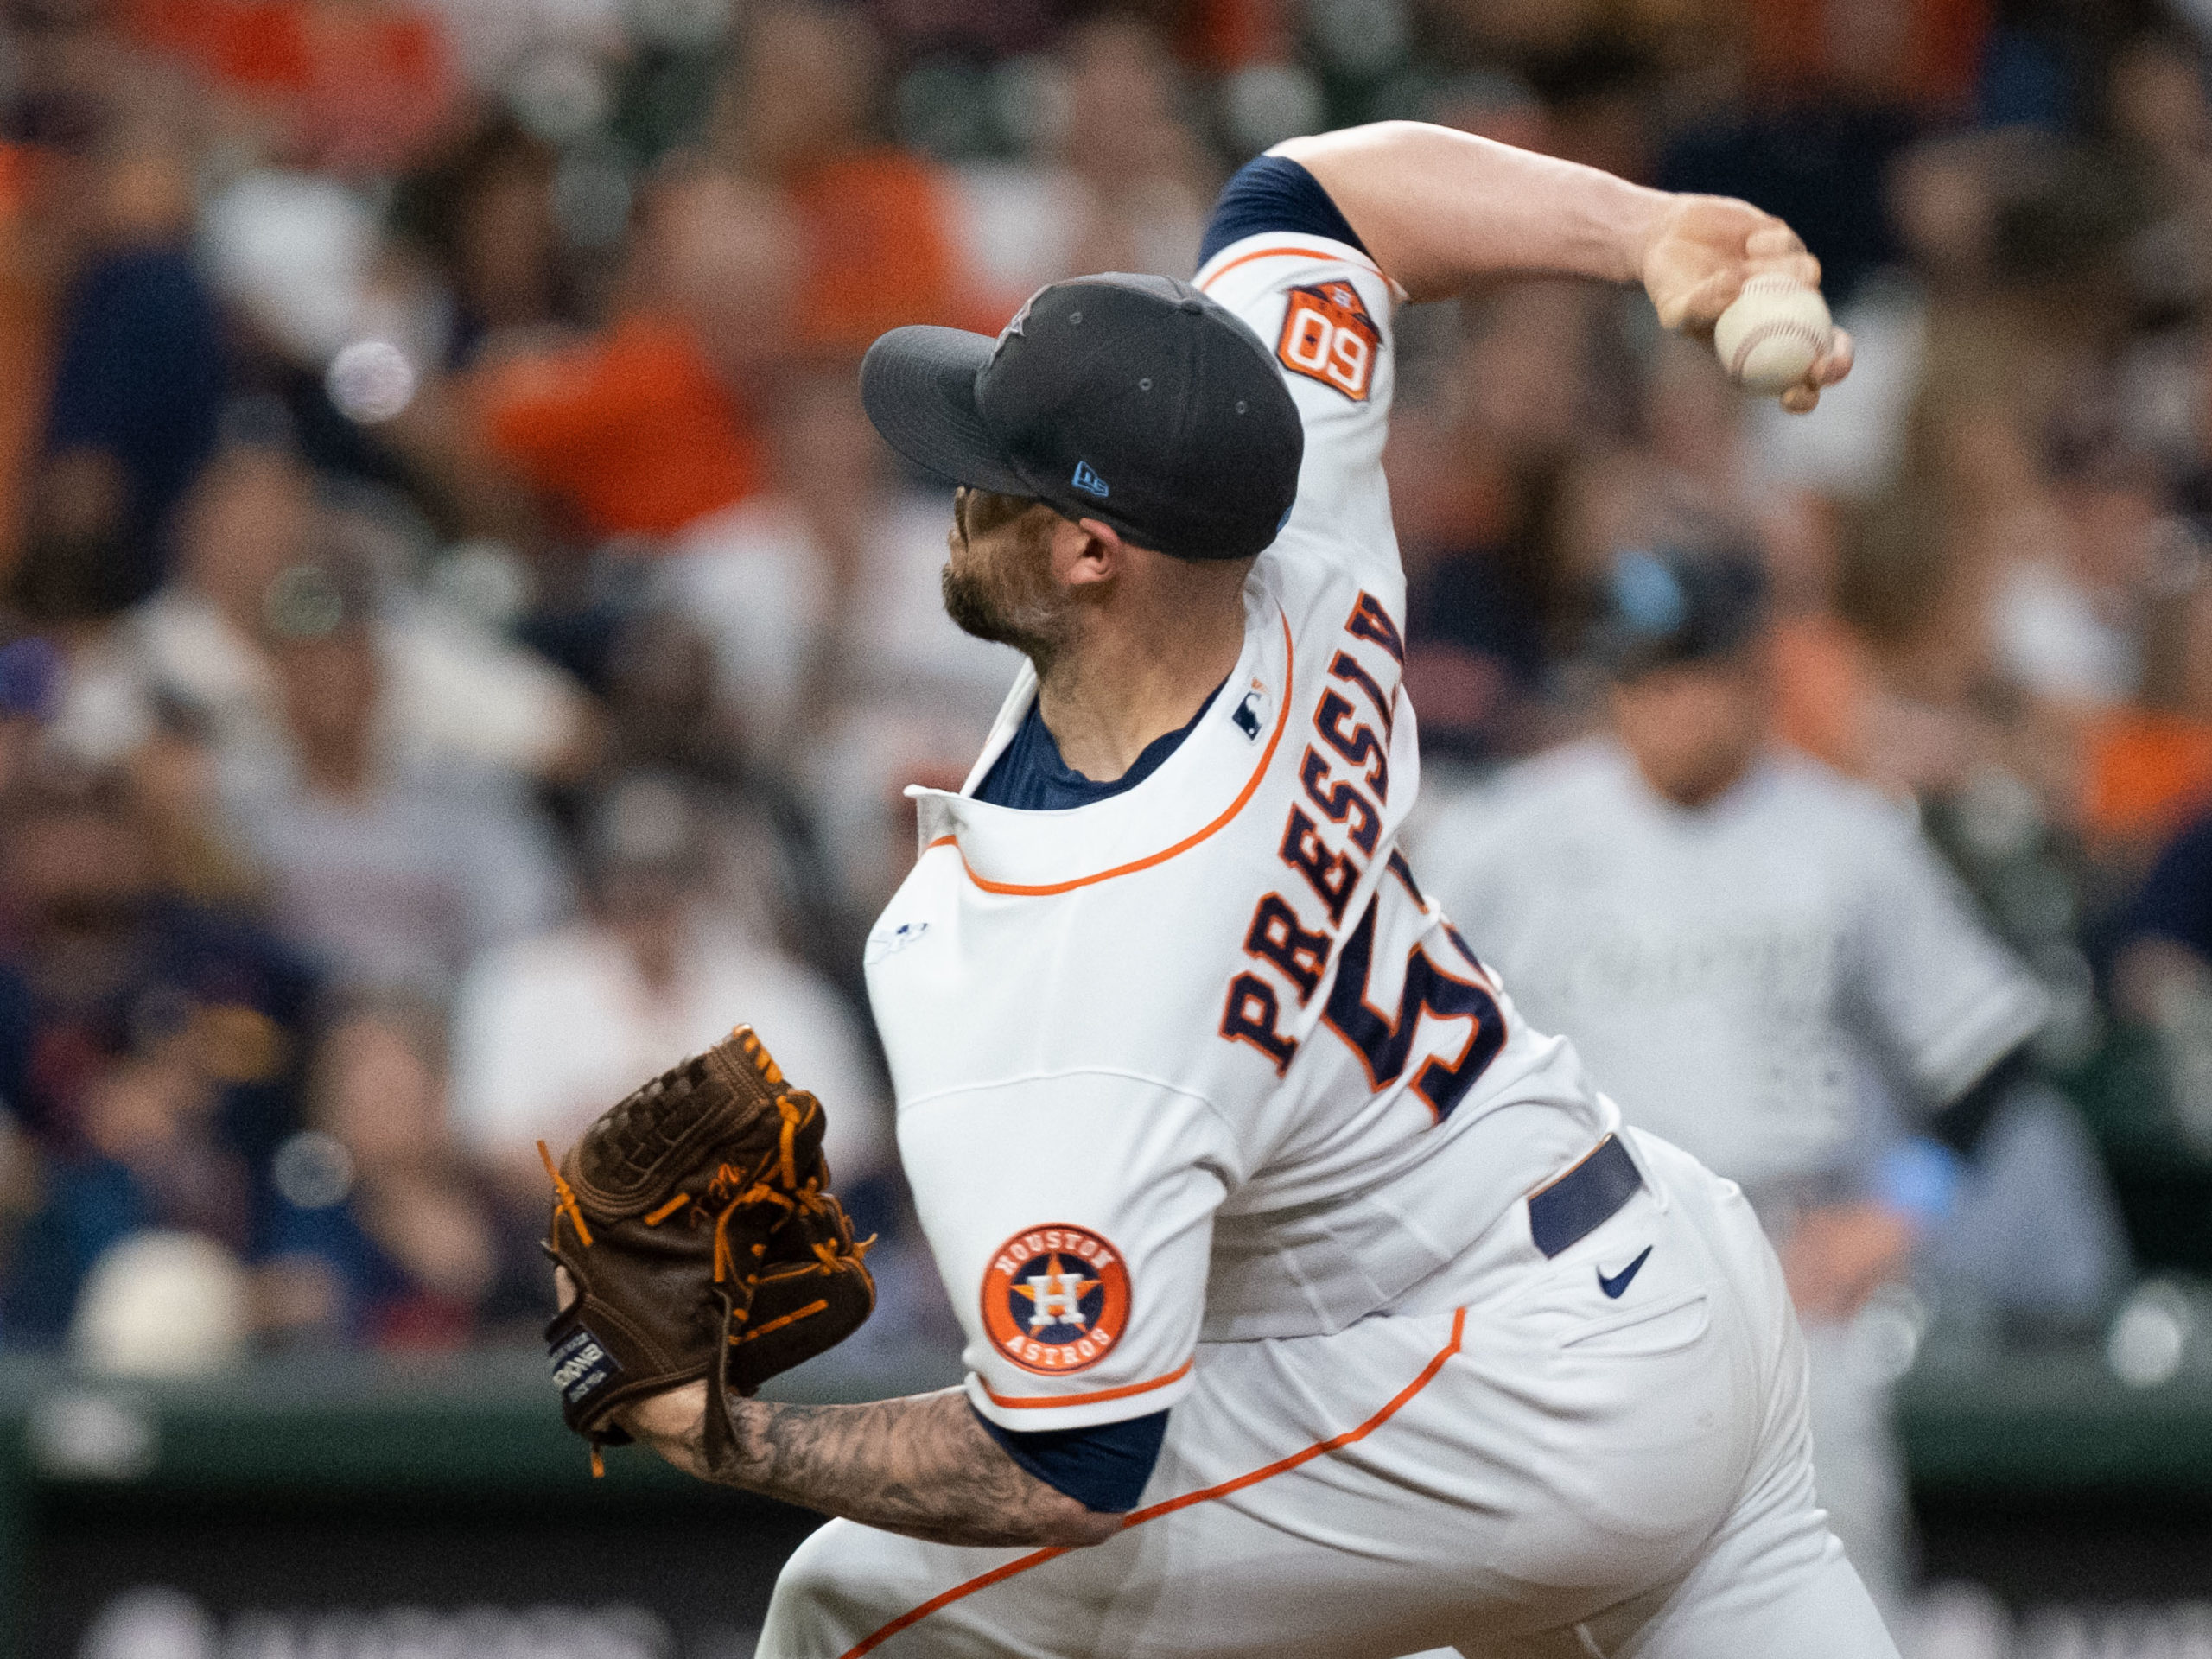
920, 1466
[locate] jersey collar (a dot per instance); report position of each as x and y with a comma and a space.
1196, 793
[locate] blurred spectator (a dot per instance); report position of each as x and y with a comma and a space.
107, 962
378, 1236
664, 708
2149, 763
448, 693
28, 674
137, 387
2162, 979
1746, 950
873, 222
149, 1044
1928, 53
392, 870
1820, 167
1827, 690
2173, 913
355, 86
1488, 499
20, 1197
648, 424
1475, 654
342, 333
484, 214
832, 651
2159, 121
32, 267
2162, 970
2063, 615
550, 1031
667, 713
147, 1156
1858, 73
30, 681
1122, 182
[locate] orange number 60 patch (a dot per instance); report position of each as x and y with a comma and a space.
1328, 336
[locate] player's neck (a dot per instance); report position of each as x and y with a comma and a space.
1131, 678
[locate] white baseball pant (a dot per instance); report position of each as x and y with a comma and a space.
1515, 1465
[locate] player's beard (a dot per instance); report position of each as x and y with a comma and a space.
1005, 593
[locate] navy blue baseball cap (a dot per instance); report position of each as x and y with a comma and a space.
1660, 605
1135, 400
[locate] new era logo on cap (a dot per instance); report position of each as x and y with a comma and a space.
1089, 482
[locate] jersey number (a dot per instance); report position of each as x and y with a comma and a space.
1385, 1044
1328, 336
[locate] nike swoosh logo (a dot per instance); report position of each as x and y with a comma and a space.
1614, 1286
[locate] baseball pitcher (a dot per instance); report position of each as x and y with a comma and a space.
1315, 1304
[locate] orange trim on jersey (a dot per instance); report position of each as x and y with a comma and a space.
1275, 253
1042, 1401
1022, 890
1038, 1558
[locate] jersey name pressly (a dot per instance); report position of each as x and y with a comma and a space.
1199, 1061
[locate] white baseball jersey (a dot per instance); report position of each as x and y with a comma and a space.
1726, 969
1197, 1060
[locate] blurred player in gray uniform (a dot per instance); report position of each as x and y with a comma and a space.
1745, 946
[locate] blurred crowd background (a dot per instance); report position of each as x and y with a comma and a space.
464, 646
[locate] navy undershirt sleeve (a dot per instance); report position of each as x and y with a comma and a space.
1103, 1468
1270, 193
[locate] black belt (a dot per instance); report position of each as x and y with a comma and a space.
1588, 1196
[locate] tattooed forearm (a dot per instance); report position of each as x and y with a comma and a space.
921, 1465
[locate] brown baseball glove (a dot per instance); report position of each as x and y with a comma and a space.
694, 1222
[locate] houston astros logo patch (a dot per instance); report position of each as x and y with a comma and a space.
1056, 1299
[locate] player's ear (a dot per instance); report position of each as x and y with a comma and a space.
1090, 550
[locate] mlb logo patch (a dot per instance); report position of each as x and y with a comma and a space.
1327, 335
1056, 1299
582, 1367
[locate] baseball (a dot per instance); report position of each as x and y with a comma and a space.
1770, 336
